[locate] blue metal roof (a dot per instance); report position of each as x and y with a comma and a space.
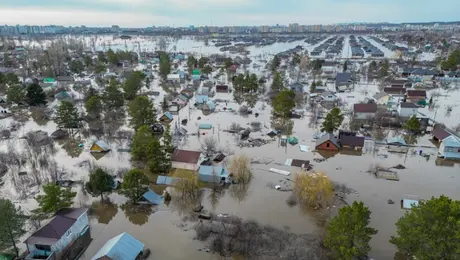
205, 126
212, 173
168, 115
103, 145
166, 180
451, 141
211, 105
152, 197
123, 246
201, 99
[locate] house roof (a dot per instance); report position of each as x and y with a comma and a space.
185, 156
152, 197
365, 108
408, 203
396, 140
213, 170
123, 246
395, 90
440, 133
451, 141
57, 227
221, 88
103, 145
343, 77
201, 98
416, 93
352, 140
408, 105
328, 137
65, 78
168, 115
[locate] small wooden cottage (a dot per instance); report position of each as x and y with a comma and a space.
328, 142
99, 147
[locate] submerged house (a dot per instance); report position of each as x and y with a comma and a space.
150, 197
99, 147
450, 148
166, 117
123, 246
214, 174
64, 237
364, 111
352, 142
63, 96
328, 142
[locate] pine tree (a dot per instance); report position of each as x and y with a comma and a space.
15, 93
12, 222
100, 182
332, 121
276, 62
134, 184
67, 115
413, 125
143, 140
277, 84
165, 65
55, 198
348, 234
112, 96
133, 84
284, 103
142, 112
35, 95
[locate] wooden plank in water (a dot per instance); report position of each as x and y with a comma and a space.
285, 173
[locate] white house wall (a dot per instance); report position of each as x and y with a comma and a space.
76, 229
186, 166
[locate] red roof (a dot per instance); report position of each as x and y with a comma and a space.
365, 108
185, 156
416, 93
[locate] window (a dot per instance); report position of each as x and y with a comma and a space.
68, 233
43, 247
328, 144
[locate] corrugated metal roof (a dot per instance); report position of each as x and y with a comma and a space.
123, 246
408, 204
451, 141
152, 197
201, 99
103, 145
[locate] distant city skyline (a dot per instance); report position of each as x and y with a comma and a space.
178, 13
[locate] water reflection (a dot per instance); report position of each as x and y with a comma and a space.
240, 191
137, 214
104, 211
215, 194
184, 205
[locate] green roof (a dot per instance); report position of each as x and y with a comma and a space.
196, 72
49, 80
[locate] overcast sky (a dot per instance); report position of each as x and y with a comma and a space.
141, 13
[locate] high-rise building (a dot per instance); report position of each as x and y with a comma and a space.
264, 29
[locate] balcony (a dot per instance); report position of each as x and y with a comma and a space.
40, 254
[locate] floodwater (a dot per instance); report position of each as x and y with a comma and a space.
162, 230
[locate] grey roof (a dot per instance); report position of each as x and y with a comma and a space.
380, 95
65, 78
352, 140
408, 105
343, 78
328, 137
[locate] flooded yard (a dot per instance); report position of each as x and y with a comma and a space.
168, 231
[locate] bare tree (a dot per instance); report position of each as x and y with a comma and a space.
209, 146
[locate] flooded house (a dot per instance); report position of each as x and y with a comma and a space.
65, 80
63, 96
450, 148
213, 174
416, 95
166, 117
439, 133
64, 237
150, 197
173, 78
123, 246
381, 98
184, 159
222, 88
352, 142
201, 99
364, 111
328, 142
99, 147
407, 109
344, 79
